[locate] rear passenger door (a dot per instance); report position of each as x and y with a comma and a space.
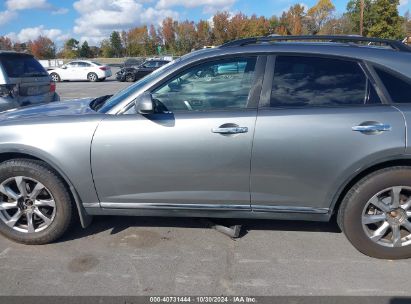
320, 121
83, 70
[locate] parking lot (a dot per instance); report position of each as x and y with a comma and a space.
180, 256
82, 89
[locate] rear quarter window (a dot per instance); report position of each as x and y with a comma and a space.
399, 88
17, 66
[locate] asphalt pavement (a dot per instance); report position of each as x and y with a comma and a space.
184, 256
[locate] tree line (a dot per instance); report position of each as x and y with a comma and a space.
381, 19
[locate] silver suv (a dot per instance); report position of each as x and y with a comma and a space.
280, 129
23, 81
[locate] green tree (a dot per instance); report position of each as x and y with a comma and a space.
387, 23
116, 45
106, 49
85, 51
353, 13
70, 49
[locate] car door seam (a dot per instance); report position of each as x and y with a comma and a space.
90, 161
405, 125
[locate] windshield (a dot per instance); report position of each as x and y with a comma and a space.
22, 66
127, 92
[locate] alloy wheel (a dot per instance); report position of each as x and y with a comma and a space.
385, 217
92, 77
55, 77
26, 205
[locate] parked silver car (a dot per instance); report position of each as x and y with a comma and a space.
302, 132
23, 81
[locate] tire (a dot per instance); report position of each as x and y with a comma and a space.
374, 214
92, 77
130, 78
55, 77
51, 188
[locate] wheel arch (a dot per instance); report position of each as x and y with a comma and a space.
85, 219
405, 161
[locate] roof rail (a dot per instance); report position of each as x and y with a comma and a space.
394, 44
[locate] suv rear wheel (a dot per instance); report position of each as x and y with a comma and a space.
35, 207
375, 214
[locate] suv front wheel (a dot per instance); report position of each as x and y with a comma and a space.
375, 215
35, 206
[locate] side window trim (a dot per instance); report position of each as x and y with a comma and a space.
265, 98
376, 82
265, 95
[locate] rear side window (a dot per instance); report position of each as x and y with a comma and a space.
84, 64
17, 66
398, 88
314, 81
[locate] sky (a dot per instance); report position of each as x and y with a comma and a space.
94, 20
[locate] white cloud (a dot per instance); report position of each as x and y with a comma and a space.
26, 4
13, 6
99, 18
210, 6
6, 16
403, 3
32, 33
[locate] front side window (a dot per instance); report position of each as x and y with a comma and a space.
219, 85
398, 88
314, 81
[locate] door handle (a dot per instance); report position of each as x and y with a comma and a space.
230, 130
372, 128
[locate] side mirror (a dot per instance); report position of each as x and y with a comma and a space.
144, 104
64, 67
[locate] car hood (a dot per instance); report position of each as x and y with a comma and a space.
65, 108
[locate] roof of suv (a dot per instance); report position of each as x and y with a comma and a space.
4, 52
389, 53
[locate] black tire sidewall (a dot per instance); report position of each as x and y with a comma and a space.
55, 186
355, 202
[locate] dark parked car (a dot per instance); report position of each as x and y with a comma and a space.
301, 131
23, 81
133, 73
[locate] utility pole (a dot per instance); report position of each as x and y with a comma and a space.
361, 17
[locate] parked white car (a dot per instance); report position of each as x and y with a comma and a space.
81, 70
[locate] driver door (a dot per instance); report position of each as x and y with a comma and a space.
193, 152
